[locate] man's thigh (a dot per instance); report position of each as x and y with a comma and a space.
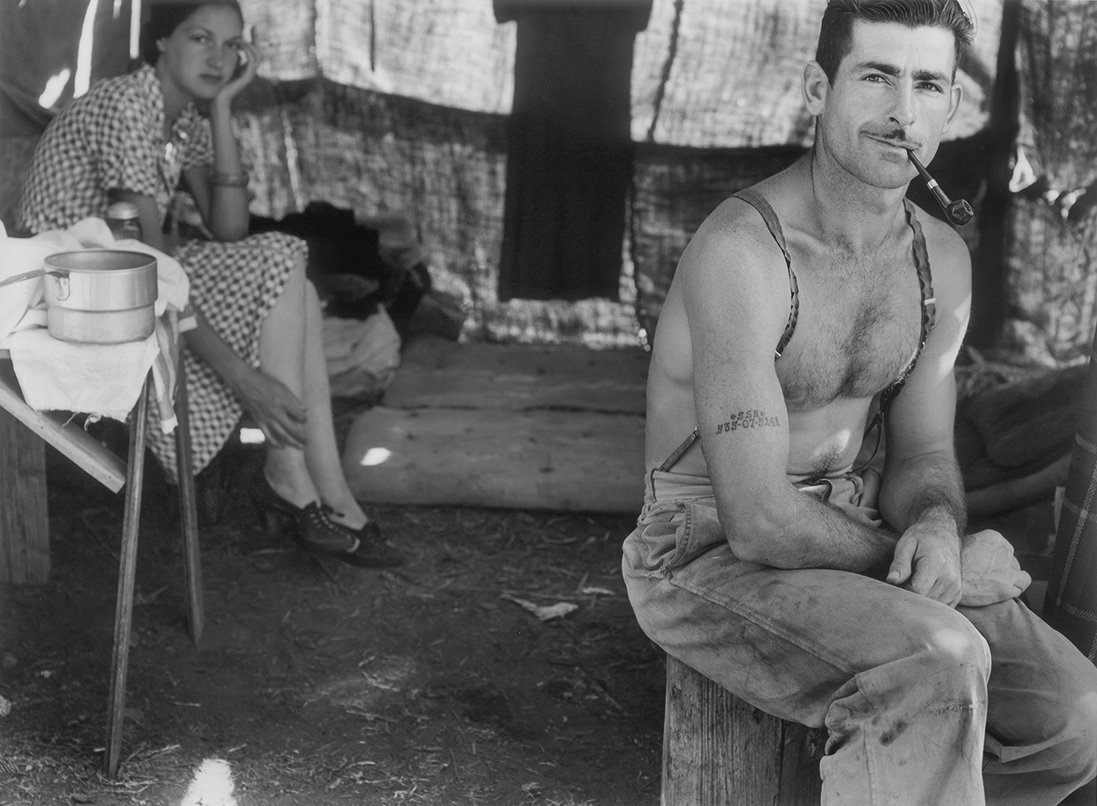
784, 640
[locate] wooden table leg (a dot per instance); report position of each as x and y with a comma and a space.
127, 569
24, 519
188, 509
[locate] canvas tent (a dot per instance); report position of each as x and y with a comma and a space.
401, 107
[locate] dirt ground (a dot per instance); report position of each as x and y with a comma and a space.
326, 684
317, 683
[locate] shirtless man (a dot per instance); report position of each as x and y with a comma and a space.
766, 556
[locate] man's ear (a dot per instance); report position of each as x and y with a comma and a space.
956, 92
815, 86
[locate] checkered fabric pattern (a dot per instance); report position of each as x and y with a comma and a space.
112, 137
1071, 602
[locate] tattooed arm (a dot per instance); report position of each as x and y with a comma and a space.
734, 291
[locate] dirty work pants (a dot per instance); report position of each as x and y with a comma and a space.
923, 703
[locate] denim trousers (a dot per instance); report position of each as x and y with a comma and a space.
923, 703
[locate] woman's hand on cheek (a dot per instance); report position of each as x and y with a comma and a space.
245, 71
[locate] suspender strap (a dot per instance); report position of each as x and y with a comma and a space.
773, 224
672, 460
929, 306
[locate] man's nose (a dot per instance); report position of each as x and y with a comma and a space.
902, 107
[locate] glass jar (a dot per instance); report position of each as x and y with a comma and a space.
123, 220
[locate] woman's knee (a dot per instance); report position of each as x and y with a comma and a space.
295, 284
312, 296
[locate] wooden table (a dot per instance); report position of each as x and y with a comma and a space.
24, 522
24, 516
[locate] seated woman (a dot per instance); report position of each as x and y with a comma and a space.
257, 345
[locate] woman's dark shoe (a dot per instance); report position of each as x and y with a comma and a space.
313, 530
372, 551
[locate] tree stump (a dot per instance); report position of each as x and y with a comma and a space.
720, 751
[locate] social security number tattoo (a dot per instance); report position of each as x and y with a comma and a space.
751, 418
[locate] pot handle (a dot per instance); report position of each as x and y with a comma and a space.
24, 276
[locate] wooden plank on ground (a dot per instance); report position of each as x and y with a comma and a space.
562, 460
24, 520
435, 373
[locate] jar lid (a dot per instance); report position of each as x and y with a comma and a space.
122, 209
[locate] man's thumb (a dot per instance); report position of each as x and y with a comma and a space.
900, 565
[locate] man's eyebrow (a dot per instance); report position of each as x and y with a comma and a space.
892, 70
879, 67
930, 75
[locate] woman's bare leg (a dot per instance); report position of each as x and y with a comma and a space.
282, 356
321, 451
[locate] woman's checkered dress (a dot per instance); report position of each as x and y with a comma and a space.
112, 138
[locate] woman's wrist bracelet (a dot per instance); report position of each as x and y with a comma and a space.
238, 179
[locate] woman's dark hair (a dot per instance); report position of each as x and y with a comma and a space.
836, 30
164, 16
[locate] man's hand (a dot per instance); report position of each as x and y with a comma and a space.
274, 408
990, 571
927, 561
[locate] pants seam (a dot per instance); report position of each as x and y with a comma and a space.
767, 625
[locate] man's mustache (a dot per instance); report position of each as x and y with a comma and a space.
897, 136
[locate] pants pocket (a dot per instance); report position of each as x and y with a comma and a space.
698, 532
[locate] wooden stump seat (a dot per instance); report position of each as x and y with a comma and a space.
720, 751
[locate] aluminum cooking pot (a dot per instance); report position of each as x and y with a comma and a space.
100, 296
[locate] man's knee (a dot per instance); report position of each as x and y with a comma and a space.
1078, 746
950, 647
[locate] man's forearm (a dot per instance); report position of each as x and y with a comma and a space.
924, 488
804, 532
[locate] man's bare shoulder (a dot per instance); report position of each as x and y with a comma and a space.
732, 242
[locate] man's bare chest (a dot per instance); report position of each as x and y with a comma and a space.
858, 328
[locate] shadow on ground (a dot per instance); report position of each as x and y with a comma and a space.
324, 684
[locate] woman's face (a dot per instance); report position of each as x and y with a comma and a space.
201, 54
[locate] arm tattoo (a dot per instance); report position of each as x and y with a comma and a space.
751, 418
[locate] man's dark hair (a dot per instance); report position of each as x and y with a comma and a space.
836, 30
166, 15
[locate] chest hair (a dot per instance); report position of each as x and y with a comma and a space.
858, 327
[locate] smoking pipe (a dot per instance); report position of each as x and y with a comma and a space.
959, 212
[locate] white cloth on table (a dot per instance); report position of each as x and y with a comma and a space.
101, 380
